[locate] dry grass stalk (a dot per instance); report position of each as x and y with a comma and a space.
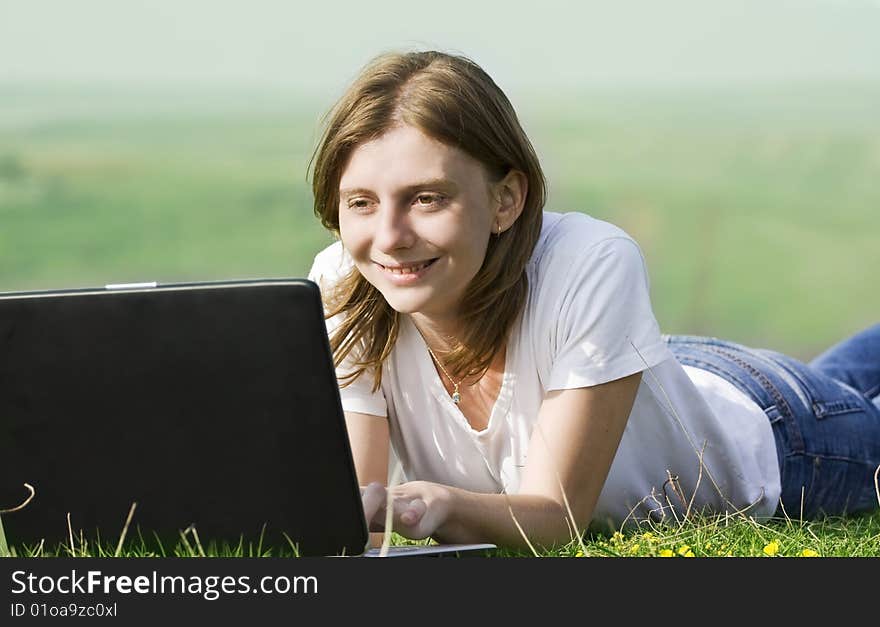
672, 482
631, 515
785, 512
687, 512
570, 521
186, 543
24, 503
70, 535
389, 510
125, 529
802, 503
671, 408
522, 533
4, 548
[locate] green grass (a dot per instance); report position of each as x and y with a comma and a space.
700, 536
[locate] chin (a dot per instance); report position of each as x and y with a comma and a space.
402, 304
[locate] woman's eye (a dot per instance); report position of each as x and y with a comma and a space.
427, 199
359, 204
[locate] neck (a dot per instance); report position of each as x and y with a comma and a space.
439, 335
440, 338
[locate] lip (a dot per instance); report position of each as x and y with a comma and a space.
407, 278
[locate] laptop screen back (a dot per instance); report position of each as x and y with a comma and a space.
214, 405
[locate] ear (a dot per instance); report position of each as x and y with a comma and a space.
510, 198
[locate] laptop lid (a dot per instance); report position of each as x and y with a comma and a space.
208, 404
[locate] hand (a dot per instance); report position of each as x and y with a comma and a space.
419, 508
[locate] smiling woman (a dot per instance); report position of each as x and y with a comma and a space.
430, 237
500, 348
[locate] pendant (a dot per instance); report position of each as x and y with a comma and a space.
456, 397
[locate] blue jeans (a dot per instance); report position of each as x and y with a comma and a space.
825, 415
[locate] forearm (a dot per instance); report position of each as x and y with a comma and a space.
474, 517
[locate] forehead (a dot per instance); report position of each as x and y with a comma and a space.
405, 155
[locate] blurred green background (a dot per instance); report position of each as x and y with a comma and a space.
756, 202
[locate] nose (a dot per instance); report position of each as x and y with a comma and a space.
393, 230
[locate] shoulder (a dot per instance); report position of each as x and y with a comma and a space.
589, 304
574, 243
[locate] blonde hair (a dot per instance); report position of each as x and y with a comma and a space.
452, 100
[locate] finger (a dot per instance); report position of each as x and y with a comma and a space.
373, 498
413, 513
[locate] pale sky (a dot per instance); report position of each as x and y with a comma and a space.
321, 45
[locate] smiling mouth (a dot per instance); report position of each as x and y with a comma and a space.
411, 269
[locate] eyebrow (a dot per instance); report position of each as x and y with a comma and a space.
444, 184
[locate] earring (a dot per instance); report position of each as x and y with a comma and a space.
499, 229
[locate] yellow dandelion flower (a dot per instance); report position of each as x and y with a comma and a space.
667, 553
648, 536
634, 549
579, 553
708, 545
809, 553
689, 554
617, 538
684, 549
772, 548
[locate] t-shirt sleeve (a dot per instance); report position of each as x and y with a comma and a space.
329, 266
601, 322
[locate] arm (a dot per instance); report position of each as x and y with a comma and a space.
369, 440
570, 451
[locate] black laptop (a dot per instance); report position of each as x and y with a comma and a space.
210, 405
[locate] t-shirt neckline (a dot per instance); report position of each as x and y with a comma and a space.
429, 374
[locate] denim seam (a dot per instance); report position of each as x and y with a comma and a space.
839, 458
821, 408
726, 348
765, 382
835, 408
801, 389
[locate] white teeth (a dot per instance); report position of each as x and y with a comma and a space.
410, 270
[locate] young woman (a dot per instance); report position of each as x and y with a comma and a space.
510, 357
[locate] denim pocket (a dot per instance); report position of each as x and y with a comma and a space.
840, 486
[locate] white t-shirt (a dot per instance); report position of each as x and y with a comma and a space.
587, 320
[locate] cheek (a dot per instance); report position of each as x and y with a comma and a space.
354, 240
476, 248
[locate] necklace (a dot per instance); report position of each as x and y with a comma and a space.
456, 397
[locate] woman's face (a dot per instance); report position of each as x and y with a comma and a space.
416, 216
